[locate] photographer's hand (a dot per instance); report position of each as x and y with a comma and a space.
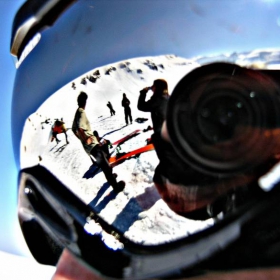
144, 90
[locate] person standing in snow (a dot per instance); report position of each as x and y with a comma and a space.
171, 166
81, 128
110, 106
157, 104
127, 110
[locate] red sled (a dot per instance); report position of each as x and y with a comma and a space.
119, 158
125, 138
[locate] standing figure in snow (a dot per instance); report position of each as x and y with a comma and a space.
127, 110
171, 168
110, 106
157, 106
59, 127
81, 128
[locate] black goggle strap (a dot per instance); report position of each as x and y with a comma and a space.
64, 216
31, 19
68, 220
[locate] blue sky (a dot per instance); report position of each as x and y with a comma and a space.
8, 199
201, 21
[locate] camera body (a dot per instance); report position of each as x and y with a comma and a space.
224, 119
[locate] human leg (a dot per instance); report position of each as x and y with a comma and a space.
126, 117
54, 136
66, 138
103, 163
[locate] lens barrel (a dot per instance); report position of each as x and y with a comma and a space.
224, 119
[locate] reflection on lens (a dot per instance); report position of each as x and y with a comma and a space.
223, 116
224, 119
221, 120
48, 140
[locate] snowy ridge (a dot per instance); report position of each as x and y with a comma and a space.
265, 58
138, 211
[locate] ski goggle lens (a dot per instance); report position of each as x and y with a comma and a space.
222, 121
48, 140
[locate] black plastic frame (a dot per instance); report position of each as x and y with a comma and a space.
62, 216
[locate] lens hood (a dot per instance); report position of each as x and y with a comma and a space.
224, 119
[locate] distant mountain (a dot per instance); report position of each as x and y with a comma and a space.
269, 58
138, 211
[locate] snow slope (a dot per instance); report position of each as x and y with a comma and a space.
138, 211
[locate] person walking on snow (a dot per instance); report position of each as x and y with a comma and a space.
127, 110
81, 128
110, 106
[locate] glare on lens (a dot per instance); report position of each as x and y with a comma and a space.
27, 190
205, 113
252, 94
92, 227
239, 105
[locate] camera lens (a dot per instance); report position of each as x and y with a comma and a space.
223, 119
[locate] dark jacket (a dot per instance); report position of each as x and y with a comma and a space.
125, 102
157, 105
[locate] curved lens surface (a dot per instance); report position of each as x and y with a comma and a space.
225, 118
144, 41
48, 140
